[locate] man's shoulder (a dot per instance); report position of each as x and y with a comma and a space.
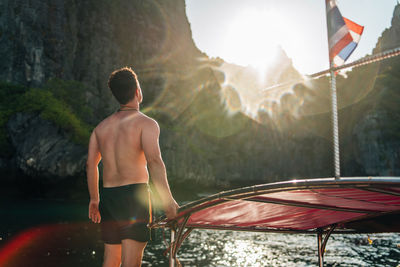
146, 119
103, 123
148, 122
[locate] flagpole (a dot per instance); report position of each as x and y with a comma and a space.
335, 124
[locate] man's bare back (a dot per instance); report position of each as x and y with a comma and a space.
120, 144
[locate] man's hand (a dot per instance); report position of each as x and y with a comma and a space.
94, 213
171, 209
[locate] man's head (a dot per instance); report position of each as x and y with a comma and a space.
123, 84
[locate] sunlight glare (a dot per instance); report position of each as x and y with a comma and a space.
252, 39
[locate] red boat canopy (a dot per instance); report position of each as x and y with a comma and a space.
350, 204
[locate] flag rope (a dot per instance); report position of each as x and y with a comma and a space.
360, 62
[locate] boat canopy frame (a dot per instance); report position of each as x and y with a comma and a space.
181, 226
378, 185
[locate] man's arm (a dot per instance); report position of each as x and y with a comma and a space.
92, 172
155, 164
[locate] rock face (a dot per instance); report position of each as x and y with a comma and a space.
375, 146
378, 155
42, 151
206, 138
390, 38
86, 40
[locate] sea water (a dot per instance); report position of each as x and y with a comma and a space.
58, 233
227, 248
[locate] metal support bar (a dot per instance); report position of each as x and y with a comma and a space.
184, 236
328, 234
322, 243
320, 251
171, 249
177, 238
179, 235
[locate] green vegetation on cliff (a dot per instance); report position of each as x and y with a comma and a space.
60, 102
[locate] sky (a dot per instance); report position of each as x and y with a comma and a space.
247, 32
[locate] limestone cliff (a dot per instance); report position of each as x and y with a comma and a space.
390, 38
374, 144
86, 40
208, 135
83, 41
42, 152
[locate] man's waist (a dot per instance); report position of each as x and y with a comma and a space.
142, 184
123, 180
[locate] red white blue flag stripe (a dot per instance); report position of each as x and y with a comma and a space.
343, 34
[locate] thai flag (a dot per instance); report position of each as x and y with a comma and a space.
343, 34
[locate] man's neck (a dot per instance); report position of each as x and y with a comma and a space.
129, 106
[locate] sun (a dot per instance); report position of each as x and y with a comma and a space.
253, 38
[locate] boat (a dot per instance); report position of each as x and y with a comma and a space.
310, 206
320, 206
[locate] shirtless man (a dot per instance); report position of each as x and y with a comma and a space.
127, 144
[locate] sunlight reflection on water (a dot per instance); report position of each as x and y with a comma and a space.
65, 240
226, 248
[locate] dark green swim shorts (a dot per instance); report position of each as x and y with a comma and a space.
125, 213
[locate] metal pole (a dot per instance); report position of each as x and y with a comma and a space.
320, 252
335, 125
171, 249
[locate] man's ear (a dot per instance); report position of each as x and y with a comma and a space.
139, 94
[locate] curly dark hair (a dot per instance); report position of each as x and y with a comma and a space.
123, 83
